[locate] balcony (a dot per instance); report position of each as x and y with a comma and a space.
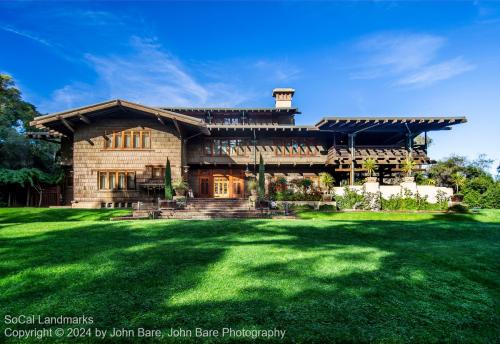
381, 154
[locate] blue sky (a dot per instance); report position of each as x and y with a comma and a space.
343, 58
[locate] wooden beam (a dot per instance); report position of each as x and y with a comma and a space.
67, 125
177, 127
160, 120
84, 119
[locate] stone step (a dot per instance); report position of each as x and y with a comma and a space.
187, 214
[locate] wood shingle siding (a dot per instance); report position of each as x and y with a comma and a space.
90, 157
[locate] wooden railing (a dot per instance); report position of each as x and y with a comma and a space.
382, 154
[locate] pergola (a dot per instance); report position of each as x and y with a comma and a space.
395, 128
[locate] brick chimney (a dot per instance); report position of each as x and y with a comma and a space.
283, 97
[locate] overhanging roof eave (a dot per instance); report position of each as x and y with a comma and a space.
413, 124
96, 108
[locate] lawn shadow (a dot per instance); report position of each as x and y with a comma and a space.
345, 281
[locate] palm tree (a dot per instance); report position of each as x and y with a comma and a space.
326, 180
370, 165
458, 179
408, 166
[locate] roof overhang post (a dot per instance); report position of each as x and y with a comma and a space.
352, 138
409, 140
254, 151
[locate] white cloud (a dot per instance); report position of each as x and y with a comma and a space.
148, 75
436, 72
409, 58
27, 35
278, 71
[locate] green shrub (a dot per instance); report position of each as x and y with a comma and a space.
289, 195
473, 199
459, 208
326, 207
350, 200
408, 201
491, 198
303, 207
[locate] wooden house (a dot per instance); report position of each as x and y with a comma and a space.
114, 153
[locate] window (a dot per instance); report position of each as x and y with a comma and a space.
116, 180
137, 139
295, 147
118, 141
146, 143
207, 148
112, 180
121, 180
225, 147
128, 139
157, 172
230, 120
102, 180
130, 180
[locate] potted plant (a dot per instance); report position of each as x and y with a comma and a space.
407, 168
459, 180
370, 165
281, 184
180, 187
326, 180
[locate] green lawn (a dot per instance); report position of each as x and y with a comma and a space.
346, 277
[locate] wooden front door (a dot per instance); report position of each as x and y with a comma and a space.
205, 187
221, 187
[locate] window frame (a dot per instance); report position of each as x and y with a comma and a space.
115, 176
112, 136
221, 147
295, 147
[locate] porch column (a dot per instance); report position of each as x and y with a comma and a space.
409, 143
184, 165
351, 138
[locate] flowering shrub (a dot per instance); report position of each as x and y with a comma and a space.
350, 200
408, 201
303, 190
353, 199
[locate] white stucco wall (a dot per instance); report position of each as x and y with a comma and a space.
387, 191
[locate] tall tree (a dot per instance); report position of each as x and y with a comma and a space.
16, 150
262, 181
169, 191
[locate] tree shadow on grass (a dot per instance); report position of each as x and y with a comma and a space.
30, 215
345, 281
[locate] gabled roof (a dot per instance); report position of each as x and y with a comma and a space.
100, 109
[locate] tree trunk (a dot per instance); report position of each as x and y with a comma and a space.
28, 194
40, 200
8, 200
